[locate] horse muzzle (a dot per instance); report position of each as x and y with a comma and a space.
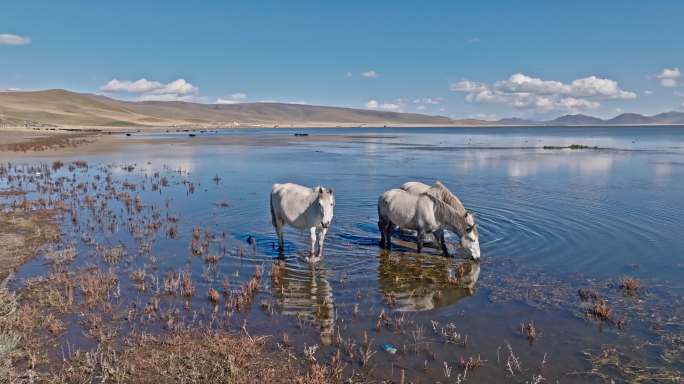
325, 225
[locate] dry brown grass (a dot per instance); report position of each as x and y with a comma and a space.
213, 295
95, 285
138, 278
530, 331
172, 282
187, 287
630, 285
601, 310
47, 142
185, 357
22, 234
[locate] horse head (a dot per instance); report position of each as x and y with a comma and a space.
326, 203
470, 238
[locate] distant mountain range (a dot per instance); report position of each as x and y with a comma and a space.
671, 118
64, 108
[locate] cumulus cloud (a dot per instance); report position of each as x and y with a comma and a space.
385, 106
235, 98
153, 90
525, 92
372, 104
10, 39
669, 77
370, 73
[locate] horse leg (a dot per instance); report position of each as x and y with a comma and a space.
389, 227
419, 240
281, 241
312, 237
381, 227
439, 235
321, 239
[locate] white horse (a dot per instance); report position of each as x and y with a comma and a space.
425, 213
470, 238
302, 208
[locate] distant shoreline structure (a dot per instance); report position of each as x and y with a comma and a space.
61, 109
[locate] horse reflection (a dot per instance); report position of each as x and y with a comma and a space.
303, 291
422, 283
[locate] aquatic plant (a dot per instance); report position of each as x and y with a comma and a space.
213, 295
366, 350
601, 310
630, 285
172, 282
529, 331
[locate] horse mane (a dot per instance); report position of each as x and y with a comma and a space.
444, 194
446, 211
449, 206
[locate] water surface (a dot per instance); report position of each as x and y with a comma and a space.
551, 218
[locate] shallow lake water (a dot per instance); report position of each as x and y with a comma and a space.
551, 221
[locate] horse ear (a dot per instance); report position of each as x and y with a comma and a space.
466, 215
439, 183
331, 191
320, 189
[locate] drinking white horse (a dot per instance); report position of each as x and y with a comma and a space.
303, 208
426, 213
470, 238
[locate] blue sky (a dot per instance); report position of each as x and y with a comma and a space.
460, 59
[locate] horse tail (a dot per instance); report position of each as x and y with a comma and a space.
273, 215
382, 208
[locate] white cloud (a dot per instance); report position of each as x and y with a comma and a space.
179, 86
525, 92
390, 106
9, 39
235, 98
429, 100
138, 86
348, 75
178, 89
473, 40
370, 73
669, 77
648, 92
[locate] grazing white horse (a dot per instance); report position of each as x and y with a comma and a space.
470, 238
425, 213
302, 208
